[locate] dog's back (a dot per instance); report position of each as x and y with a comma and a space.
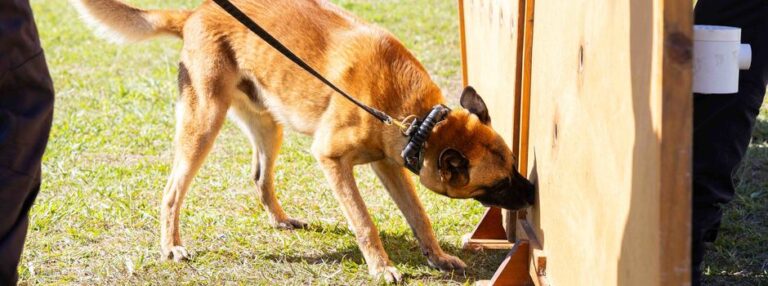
362, 59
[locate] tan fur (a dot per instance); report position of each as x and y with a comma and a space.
122, 23
224, 68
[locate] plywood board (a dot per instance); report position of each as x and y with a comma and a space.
609, 136
598, 142
490, 39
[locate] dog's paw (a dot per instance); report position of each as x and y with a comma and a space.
176, 253
447, 262
388, 274
290, 223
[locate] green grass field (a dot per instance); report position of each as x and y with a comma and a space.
96, 218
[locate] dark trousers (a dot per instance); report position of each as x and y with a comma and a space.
723, 123
26, 111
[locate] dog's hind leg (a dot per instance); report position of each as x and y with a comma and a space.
266, 136
200, 113
401, 189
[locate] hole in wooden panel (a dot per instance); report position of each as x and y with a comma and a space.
554, 136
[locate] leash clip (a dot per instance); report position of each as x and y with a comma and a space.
410, 124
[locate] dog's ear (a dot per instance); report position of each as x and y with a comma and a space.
471, 101
454, 167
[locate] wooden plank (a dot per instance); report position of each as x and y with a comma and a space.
486, 244
600, 111
514, 269
488, 234
609, 133
538, 261
676, 144
491, 51
491, 30
522, 99
462, 38
525, 96
518, 79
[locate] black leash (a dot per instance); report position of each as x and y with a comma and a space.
418, 130
263, 34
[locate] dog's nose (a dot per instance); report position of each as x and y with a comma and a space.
529, 190
524, 186
513, 193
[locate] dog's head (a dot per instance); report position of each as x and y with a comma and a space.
465, 158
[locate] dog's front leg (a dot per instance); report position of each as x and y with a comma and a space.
342, 180
400, 188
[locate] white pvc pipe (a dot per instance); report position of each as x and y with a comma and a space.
717, 57
745, 56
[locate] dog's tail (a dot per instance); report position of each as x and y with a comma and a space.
120, 22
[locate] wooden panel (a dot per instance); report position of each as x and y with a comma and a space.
609, 138
491, 57
604, 124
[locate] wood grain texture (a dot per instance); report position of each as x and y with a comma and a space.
463, 41
514, 269
525, 78
676, 143
594, 151
604, 166
609, 131
492, 53
491, 31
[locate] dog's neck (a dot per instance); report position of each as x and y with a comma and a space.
415, 90
418, 94
403, 88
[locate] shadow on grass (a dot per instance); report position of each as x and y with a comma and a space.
404, 252
739, 256
760, 132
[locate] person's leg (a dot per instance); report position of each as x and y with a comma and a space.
21, 190
723, 122
26, 111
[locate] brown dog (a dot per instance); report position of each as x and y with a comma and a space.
224, 68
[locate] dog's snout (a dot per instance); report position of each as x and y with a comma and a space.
528, 189
512, 193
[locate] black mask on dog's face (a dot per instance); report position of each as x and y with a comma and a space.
512, 193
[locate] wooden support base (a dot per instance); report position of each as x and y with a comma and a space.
537, 258
526, 263
514, 270
489, 233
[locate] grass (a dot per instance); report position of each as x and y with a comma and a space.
740, 254
96, 219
